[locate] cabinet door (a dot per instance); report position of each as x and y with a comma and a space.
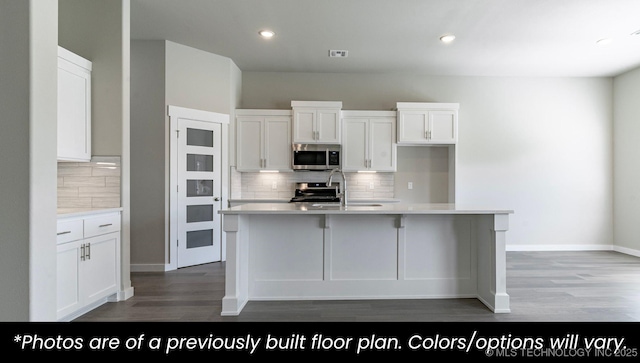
412, 126
304, 130
249, 148
277, 143
442, 127
382, 145
328, 126
354, 148
74, 112
99, 269
68, 278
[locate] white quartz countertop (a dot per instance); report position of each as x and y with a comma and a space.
76, 212
287, 200
360, 208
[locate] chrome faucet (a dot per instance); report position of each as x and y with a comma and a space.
343, 186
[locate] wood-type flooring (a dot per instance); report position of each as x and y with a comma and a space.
576, 286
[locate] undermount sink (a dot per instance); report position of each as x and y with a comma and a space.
337, 205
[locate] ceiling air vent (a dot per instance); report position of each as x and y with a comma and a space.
338, 53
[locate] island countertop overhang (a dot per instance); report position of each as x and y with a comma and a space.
361, 208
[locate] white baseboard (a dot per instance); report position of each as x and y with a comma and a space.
559, 247
625, 250
628, 251
157, 267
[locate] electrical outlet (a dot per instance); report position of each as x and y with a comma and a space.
370, 185
274, 185
410, 185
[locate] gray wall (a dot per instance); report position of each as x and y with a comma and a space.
148, 112
166, 73
28, 70
626, 156
539, 146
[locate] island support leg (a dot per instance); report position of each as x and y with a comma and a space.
236, 268
492, 266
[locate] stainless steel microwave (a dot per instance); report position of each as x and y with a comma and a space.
315, 156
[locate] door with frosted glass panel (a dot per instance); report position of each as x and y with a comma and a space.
199, 190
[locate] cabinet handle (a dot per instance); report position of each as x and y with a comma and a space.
65, 232
82, 252
88, 250
105, 225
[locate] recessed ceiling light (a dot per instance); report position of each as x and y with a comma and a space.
604, 41
448, 38
266, 34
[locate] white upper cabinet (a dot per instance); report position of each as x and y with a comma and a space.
316, 122
263, 140
427, 123
369, 141
74, 107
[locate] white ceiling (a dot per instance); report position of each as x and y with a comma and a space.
493, 37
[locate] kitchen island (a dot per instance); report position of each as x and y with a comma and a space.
305, 251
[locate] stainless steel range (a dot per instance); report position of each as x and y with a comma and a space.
316, 192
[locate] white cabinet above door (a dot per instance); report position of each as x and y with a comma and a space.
74, 107
427, 123
316, 122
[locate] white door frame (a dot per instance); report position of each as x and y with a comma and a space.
175, 113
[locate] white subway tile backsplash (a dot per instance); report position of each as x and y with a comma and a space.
112, 181
76, 202
67, 192
97, 202
83, 181
105, 171
260, 185
99, 192
72, 169
91, 185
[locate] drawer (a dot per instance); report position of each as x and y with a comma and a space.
70, 230
95, 226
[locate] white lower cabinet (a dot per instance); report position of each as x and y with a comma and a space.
88, 267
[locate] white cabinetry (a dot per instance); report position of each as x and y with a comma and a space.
316, 122
369, 141
88, 262
427, 123
74, 107
263, 140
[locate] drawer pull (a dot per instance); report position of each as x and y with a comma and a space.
65, 232
105, 225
